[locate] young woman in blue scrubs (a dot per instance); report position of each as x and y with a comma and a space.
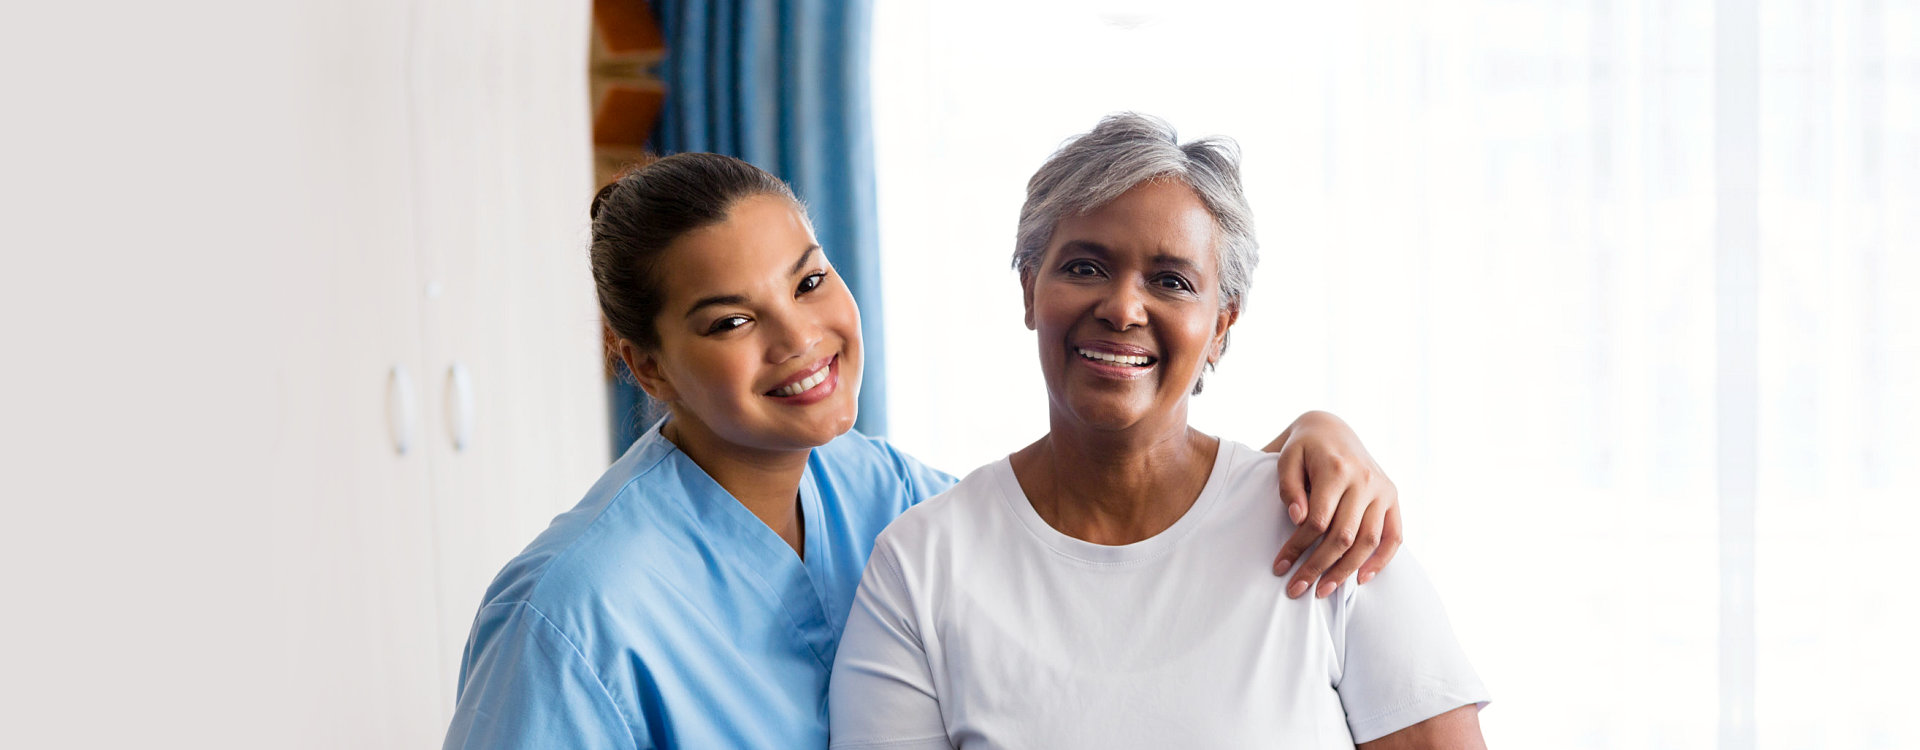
695, 597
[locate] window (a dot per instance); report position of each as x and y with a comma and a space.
1496, 238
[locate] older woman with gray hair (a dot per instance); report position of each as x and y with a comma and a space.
1093, 589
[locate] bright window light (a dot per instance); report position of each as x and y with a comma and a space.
1488, 238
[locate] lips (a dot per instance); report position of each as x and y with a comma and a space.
1117, 359
1114, 361
1115, 354
816, 380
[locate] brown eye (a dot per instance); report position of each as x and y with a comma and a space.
727, 324
1081, 268
811, 282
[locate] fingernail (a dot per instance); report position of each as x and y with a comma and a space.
1365, 577
1296, 512
1281, 568
1298, 588
1326, 588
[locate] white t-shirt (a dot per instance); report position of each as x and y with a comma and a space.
977, 625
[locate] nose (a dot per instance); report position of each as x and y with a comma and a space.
1124, 307
792, 335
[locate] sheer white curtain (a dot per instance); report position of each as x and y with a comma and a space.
1496, 237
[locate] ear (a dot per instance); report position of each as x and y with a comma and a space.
1026, 295
646, 370
1221, 325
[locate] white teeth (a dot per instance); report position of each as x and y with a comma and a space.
1117, 359
804, 385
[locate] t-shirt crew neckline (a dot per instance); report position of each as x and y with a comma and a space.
1104, 554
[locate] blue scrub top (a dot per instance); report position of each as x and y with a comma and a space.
661, 613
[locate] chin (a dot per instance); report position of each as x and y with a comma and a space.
826, 427
1105, 414
843, 423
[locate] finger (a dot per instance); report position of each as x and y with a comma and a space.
1340, 535
1327, 480
1293, 493
1294, 549
1323, 490
1293, 481
1390, 538
1366, 540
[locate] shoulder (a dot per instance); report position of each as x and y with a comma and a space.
876, 472
857, 452
1246, 464
961, 513
607, 547
1397, 607
1248, 480
929, 549
519, 625
1402, 587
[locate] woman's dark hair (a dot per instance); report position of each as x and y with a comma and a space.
636, 217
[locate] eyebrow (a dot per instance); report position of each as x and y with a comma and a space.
736, 299
1162, 259
1177, 262
1087, 246
802, 262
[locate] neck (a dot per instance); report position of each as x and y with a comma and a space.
1115, 486
766, 482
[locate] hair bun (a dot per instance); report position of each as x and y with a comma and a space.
601, 198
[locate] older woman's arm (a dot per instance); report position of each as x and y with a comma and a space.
1458, 729
1336, 494
881, 692
1402, 671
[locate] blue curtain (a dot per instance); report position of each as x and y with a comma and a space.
783, 84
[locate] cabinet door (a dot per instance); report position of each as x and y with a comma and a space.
219, 545
352, 595
518, 426
233, 219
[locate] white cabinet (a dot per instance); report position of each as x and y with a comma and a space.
512, 308
214, 540
466, 265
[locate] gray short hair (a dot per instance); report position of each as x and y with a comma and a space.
1122, 152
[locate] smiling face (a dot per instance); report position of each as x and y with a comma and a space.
1126, 303
759, 338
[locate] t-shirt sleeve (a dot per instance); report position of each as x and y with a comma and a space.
882, 693
523, 684
1402, 664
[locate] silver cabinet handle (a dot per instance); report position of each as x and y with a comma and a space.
459, 406
400, 411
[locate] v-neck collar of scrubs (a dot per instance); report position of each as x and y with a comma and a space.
764, 557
